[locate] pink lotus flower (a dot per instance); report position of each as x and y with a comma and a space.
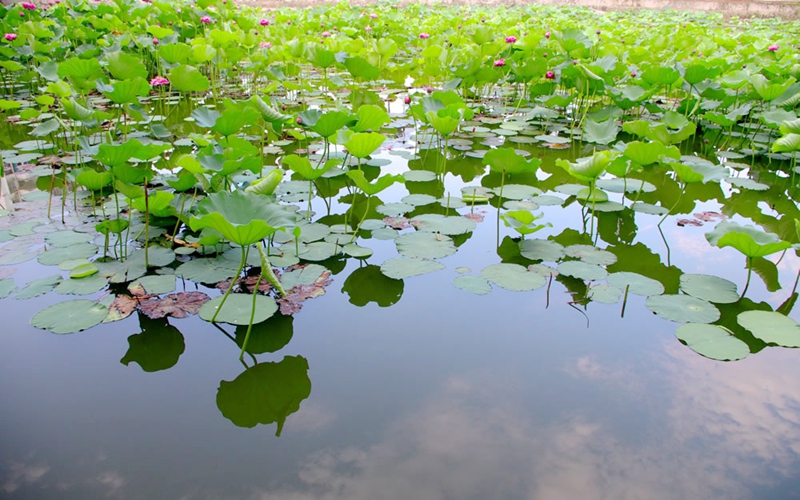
633, 74
550, 75
499, 62
597, 32
299, 121
10, 37
544, 54
511, 39
264, 22
773, 47
373, 16
547, 35
155, 41
424, 35
368, 28
205, 20
265, 45
429, 89
22, 13
159, 81
28, 6
407, 99
326, 34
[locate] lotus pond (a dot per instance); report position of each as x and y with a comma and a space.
397, 252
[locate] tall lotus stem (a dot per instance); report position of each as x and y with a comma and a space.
233, 282
749, 273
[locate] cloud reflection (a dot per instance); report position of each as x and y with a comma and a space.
712, 430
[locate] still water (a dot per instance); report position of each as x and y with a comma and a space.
436, 393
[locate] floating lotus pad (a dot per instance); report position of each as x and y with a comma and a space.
304, 276
67, 238
418, 200
513, 277
7, 287
538, 249
605, 294
425, 245
582, 270
60, 254
712, 341
683, 308
710, 288
591, 254
449, 225
771, 327
156, 284
238, 307
70, 316
406, 267
636, 283
39, 287
419, 176
82, 286
319, 251
473, 284
207, 270
394, 209
357, 251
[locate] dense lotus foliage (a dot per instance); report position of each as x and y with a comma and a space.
255, 152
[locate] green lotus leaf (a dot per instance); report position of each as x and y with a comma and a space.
371, 189
207, 270
523, 221
238, 308
406, 267
787, 144
84, 69
174, 53
546, 250
647, 153
357, 251
134, 266
67, 238
474, 284
771, 327
710, 288
267, 184
83, 270
70, 316
590, 168
45, 128
582, 270
450, 225
124, 66
126, 91
748, 240
370, 117
683, 308
7, 287
242, 218
509, 161
328, 124
605, 294
188, 79
360, 68
232, 120
265, 393
363, 144
590, 254
602, 132
157, 284
302, 166
712, 341
57, 255
513, 277
82, 286
636, 283
425, 245
307, 275
92, 179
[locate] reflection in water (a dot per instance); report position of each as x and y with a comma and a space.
368, 284
158, 347
271, 335
265, 393
718, 431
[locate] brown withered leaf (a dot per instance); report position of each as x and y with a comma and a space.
474, 216
249, 282
295, 297
397, 222
122, 307
177, 305
689, 222
709, 216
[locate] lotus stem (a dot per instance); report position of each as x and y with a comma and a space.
499, 201
680, 195
233, 282
749, 274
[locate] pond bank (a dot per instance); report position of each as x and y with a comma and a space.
783, 9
